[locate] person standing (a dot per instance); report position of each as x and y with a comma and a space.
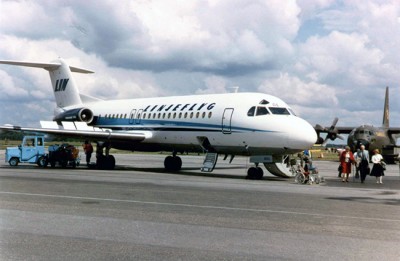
377, 169
363, 158
346, 159
88, 149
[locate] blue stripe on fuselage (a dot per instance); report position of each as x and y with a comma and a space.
165, 125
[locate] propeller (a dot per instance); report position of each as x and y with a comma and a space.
331, 133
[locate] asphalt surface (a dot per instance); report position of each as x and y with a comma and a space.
139, 212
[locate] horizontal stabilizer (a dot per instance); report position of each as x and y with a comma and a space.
46, 66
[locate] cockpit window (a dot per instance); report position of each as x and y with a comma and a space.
292, 112
251, 111
264, 102
364, 132
279, 110
261, 111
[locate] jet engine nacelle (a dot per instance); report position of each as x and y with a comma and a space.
80, 114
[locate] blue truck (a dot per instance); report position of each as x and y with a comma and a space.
31, 150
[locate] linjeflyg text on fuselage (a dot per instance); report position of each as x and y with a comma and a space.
179, 107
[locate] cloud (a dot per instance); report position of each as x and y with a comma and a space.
323, 54
300, 93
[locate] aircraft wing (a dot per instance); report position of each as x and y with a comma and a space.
80, 130
345, 130
392, 130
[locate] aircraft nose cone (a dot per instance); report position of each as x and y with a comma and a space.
303, 134
310, 136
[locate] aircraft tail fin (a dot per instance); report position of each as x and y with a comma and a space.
65, 90
385, 122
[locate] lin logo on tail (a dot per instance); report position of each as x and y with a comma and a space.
61, 84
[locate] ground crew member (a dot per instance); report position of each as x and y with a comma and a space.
88, 149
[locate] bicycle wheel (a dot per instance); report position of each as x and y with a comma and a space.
300, 178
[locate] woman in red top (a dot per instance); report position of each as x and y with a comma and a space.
346, 159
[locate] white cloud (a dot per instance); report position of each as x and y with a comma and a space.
338, 55
214, 84
325, 51
296, 92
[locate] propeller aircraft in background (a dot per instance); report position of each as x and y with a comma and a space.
383, 138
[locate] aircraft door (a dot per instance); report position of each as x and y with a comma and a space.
226, 121
132, 116
138, 116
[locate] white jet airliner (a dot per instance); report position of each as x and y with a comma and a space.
253, 124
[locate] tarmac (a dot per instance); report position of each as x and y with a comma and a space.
140, 212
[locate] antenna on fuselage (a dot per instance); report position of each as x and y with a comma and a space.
385, 121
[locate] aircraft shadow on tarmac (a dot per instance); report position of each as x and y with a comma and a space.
189, 172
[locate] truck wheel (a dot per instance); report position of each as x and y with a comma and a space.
42, 162
13, 162
64, 164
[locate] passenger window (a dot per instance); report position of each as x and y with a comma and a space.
251, 111
261, 111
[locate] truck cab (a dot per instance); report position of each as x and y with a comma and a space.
31, 150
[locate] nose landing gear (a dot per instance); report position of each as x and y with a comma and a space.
255, 173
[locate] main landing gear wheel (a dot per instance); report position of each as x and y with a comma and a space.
106, 162
255, 173
173, 163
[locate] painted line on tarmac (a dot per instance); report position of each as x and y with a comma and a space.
194, 206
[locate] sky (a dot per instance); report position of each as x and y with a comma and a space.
324, 58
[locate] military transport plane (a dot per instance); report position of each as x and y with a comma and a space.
382, 138
253, 124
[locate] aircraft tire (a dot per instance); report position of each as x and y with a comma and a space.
110, 162
172, 163
260, 173
253, 173
104, 162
